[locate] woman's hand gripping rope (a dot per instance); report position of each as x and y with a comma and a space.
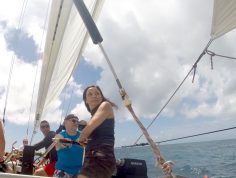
167, 167
65, 141
83, 144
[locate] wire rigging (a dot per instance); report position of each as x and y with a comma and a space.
194, 67
8, 87
177, 89
23, 8
22, 13
204, 133
180, 138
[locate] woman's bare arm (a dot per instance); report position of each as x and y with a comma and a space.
104, 111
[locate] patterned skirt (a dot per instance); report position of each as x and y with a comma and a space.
61, 174
99, 162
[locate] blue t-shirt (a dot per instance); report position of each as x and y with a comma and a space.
69, 159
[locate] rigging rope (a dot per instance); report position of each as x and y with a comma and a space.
176, 90
127, 102
212, 54
13, 59
8, 87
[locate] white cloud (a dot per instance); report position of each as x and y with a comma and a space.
152, 48
75, 88
23, 75
81, 111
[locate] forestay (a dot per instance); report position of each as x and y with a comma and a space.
224, 17
65, 41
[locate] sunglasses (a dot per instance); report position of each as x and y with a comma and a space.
44, 126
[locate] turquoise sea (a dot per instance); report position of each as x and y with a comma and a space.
216, 159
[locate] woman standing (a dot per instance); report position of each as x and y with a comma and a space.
100, 159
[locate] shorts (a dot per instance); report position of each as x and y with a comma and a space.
50, 168
61, 174
99, 162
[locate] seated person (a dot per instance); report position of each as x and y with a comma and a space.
48, 169
2, 142
82, 125
2, 148
25, 142
70, 156
3, 166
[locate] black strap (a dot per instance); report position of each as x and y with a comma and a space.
69, 141
3, 167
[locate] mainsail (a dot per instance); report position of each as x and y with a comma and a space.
224, 17
65, 41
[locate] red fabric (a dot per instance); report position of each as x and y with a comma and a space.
50, 168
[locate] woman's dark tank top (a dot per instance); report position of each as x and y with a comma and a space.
103, 134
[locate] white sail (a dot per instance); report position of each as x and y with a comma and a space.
65, 41
224, 17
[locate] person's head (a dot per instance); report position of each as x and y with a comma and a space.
25, 141
93, 97
44, 127
82, 125
71, 123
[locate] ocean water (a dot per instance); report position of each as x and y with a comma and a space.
216, 159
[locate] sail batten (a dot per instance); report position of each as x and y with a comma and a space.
65, 41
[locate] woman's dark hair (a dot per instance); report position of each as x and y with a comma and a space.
103, 98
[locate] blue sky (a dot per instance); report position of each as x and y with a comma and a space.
152, 46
